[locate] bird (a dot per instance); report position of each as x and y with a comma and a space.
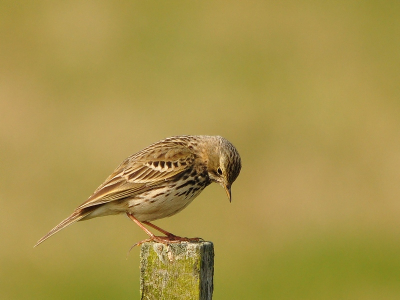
160, 181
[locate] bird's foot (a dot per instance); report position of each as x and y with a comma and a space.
166, 240
171, 238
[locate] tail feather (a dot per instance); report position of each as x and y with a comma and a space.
75, 217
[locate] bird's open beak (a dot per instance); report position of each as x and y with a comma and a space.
228, 192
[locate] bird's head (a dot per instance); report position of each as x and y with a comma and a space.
224, 164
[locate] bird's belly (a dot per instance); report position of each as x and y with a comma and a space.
160, 203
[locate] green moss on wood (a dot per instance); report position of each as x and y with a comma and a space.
177, 271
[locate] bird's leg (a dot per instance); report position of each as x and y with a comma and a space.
160, 239
173, 237
169, 238
169, 234
148, 232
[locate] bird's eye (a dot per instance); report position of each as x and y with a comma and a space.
219, 171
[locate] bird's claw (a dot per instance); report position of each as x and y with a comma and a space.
169, 239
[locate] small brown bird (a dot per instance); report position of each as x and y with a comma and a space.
160, 181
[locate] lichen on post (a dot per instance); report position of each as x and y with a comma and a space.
177, 270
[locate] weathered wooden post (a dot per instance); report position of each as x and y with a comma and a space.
177, 271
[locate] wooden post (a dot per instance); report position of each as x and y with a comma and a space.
177, 271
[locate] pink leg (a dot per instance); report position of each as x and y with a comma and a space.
160, 229
169, 238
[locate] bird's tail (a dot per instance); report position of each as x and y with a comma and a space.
75, 217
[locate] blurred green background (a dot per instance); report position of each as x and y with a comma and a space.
308, 91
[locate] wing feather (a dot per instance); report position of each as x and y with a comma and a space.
142, 171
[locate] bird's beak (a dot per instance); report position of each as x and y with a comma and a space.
228, 191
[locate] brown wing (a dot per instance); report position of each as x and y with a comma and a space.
142, 171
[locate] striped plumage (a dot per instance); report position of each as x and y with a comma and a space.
160, 181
